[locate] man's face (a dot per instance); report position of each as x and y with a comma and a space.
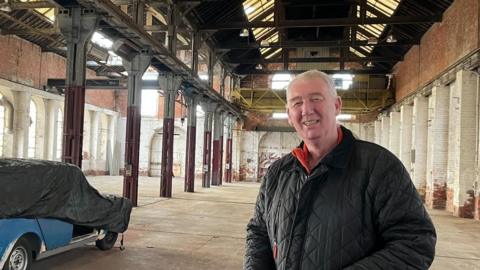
312, 109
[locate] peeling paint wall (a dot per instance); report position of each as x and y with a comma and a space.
260, 149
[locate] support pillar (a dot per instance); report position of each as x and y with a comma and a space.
466, 136
437, 150
385, 131
170, 83
77, 26
216, 155
222, 131
394, 133
405, 149
419, 144
378, 132
135, 69
228, 154
209, 109
94, 140
51, 115
21, 114
191, 143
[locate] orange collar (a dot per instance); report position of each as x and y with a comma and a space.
302, 154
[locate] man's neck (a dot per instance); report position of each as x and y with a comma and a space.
318, 150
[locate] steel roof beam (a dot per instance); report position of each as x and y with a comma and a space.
319, 60
352, 71
333, 22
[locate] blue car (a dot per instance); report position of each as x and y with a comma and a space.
23, 240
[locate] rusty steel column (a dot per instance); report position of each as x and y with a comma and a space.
135, 69
209, 108
191, 143
217, 126
222, 131
77, 26
228, 154
170, 83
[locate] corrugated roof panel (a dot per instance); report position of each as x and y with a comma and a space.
273, 53
255, 8
48, 13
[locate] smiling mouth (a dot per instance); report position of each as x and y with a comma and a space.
310, 122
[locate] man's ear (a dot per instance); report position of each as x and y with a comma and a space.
338, 105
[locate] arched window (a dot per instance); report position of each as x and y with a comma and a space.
32, 130
59, 126
2, 127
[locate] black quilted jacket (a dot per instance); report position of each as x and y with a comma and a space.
358, 209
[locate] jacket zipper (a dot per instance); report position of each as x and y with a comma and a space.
294, 218
307, 179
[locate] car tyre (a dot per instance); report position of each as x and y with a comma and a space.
108, 241
20, 257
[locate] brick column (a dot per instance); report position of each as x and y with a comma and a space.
437, 150
394, 132
453, 146
377, 136
385, 131
21, 116
419, 143
463, 199
405, 150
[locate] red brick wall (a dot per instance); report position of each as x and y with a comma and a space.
23, 62
180, 111
444, 44
53, 66
121, 102
20, 61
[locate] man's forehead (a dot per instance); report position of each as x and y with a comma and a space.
314, 86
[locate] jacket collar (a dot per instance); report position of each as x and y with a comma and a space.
338, 157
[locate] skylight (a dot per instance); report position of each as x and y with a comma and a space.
48, 13
256, 9
387, 8
101, 40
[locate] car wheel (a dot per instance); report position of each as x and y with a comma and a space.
108, 241
21, 256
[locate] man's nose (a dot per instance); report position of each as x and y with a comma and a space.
307, 107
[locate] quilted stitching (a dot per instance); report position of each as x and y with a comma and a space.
364, 214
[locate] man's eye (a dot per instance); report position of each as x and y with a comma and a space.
297, 104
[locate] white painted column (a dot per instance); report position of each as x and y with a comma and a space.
21, 122
419, 143
377, 132
94, 139
113, 156
394, 138
369, 131
50, 132
453, 146
463, 199
385, 131
437, 150
405, 149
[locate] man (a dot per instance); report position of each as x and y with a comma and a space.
335, 202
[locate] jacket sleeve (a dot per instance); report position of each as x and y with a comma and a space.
258, 253
403, 226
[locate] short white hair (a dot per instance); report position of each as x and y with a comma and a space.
315, 74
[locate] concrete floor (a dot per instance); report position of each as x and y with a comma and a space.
206, 230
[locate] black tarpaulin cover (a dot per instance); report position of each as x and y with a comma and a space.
39, 188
